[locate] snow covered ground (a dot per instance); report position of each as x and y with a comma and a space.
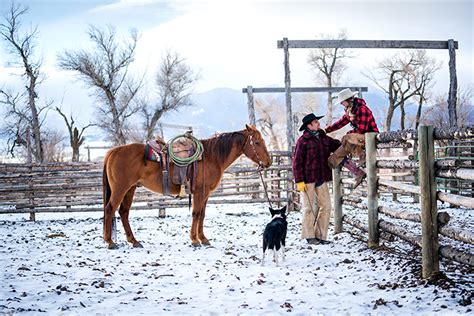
60, 265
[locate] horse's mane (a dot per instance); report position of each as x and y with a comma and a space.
220, 145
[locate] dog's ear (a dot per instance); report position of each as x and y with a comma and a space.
272, 211
283, 210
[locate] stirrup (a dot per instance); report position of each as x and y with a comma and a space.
182, 191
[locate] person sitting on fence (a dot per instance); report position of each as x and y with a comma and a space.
353, 143
311, 173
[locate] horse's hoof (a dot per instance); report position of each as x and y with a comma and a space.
112, 246
196, 244
205, 243
137, 245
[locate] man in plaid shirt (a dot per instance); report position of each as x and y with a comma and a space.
362, 121
311, 172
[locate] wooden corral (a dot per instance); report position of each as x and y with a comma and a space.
419, 180
77, 187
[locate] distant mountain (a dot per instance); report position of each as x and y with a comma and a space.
217, 110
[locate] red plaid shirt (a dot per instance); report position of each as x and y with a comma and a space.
310, 158
363, 119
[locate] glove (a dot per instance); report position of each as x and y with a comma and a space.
300, 186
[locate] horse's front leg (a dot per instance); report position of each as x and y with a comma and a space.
199, 203
200, 231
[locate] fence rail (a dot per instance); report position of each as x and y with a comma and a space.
77, 187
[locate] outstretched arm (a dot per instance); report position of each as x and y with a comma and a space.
337, 125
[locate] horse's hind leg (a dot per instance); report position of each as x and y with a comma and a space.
109, 212
124, 211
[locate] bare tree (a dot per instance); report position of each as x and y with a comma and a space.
268, 121
22, 110
398, 81
75, 137
423, 80
329, 66
53, 146
438, 114
174, 82
105, 70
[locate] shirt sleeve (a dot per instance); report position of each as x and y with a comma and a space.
337, 125
298, 161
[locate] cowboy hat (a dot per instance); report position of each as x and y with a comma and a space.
308, 119
345, 94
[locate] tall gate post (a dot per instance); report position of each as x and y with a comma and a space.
336, 188
429, 210
372, 195
251, 106
289, 113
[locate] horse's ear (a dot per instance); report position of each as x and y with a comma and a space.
250, 128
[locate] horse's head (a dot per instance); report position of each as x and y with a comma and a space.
255, 147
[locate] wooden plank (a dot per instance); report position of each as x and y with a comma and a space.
303, 89
405, 44
461, 173
456, 199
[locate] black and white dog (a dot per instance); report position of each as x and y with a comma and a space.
274, 235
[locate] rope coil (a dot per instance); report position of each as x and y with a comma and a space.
183, 162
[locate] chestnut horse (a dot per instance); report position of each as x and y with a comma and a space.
124, 169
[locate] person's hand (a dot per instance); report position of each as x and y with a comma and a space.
301, 186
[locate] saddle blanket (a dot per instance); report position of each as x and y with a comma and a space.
151, 154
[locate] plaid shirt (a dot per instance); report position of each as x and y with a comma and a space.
362, 119
310, 158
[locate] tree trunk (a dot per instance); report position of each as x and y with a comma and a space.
330, 108
39, 155
388, 119
402, 115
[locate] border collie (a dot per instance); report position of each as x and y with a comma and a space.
275, 234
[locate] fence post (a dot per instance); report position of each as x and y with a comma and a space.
336, 187
429, 211
372, 197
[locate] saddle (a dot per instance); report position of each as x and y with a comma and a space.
183, 175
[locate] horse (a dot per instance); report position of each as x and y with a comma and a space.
125, 168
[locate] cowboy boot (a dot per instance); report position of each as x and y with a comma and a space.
336, 158
358, 173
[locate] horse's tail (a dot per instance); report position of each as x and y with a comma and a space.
106, 191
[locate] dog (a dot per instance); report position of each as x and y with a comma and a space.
274, 235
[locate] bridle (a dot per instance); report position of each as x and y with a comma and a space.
252, 144
260, 166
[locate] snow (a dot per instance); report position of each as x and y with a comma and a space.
59, 265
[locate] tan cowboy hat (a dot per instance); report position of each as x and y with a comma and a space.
345, 94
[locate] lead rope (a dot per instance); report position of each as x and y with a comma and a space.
264, 187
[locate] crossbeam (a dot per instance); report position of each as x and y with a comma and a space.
367, 44
303, 89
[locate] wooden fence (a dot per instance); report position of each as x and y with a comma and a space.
77, 187
426, 169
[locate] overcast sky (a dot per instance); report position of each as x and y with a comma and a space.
234, 43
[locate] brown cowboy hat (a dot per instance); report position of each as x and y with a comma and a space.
308, 119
